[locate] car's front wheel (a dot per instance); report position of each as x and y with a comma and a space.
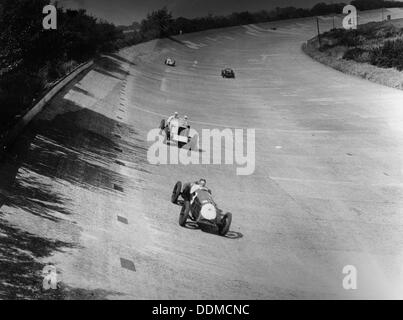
184, 214
226, 224
176, 192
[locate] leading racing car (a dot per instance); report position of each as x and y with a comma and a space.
198, 205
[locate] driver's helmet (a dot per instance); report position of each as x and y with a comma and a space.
176, 115
202, 182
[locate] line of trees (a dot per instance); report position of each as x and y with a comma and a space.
160, 23
32, 58
375, 4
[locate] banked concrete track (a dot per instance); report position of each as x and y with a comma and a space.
78, 192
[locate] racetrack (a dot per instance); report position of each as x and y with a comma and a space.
326, 192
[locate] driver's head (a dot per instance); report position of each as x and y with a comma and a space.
176, 115
202, 182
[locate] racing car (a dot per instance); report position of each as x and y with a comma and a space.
170, 62
177, 131
198, 206
228, 73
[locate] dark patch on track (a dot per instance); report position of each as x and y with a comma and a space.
118, 188
127, 264
123, 220
120, 163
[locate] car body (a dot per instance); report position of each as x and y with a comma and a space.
170, 62
198, 205
228, 73
176, 131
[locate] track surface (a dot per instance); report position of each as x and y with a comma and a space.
326, 192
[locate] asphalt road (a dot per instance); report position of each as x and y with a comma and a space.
77, 190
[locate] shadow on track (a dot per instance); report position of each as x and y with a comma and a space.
21, 273
176, 40
230, 235
111, 68
65, 146
121, 59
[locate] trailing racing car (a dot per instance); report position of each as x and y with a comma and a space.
228, 73
177, 130
170, 62
198, 205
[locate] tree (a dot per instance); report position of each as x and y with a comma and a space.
20, 30
158, 24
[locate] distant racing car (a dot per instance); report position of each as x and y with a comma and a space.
170, 62
198, 205
228, 73
177, 130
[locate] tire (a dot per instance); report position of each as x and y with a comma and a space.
184, 215
176, 192
186, 192
226, 220
163, 124
167, 133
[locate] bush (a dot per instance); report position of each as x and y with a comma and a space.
12, 101
357, 54
389, 55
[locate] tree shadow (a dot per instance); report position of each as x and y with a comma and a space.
77, 89
121, 59
37, 198
66, 144
77, 146
21, 276
109, 67
20, 271
176, 40
68, 293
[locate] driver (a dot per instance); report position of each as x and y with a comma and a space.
186, 121
198, 185
190, 189
175, 116
168, 125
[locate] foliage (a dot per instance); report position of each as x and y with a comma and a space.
31, 57
389, 55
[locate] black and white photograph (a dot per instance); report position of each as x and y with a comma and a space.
201, 150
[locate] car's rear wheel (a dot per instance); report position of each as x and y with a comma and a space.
184, 215
176, 192
163, 124
226, 224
